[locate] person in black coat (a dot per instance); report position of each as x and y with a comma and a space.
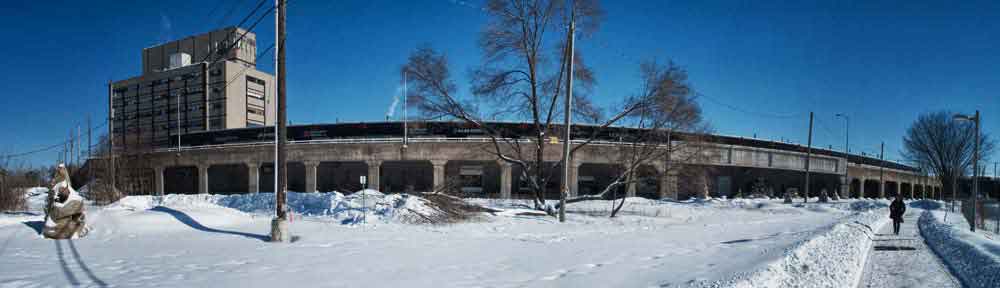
896, 210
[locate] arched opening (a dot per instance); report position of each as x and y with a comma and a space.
855, 188
480, 179
406, 176
344, 177
180, 180
296, 177
890, 189
871, 188
228, 179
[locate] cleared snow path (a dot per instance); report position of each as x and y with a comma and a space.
904, 260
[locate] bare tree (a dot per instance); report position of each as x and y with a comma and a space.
522, 77
944, 146
667, 127
518, 79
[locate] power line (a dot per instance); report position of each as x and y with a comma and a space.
755, 113
232, 9
47, 148
244, 70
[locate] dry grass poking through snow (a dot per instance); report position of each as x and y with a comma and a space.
439, 208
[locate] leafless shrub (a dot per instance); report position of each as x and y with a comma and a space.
14, 183
450, 209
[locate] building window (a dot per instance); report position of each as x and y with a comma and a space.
216, 124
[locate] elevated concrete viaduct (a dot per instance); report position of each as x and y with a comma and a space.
428, 164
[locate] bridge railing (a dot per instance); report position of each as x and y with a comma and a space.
393, 140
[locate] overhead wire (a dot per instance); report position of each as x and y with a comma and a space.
228, 48
50, 147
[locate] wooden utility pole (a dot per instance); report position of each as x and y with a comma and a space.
809, 142
279, 225
568, 117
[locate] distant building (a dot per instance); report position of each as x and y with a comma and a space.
170, 99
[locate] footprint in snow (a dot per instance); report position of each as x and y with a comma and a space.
558, 274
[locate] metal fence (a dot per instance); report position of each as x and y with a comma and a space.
985, 213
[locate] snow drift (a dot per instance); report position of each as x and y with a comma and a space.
972, 258
834, 258
367, 206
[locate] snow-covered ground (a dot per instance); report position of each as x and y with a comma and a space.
970, 256
218, 241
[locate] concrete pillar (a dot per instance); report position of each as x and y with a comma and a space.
373, 173
310, 175
253, 177
881, 189
861, 188
439, 177
630, 187
203, 178
899, 188
668, 184
574, 176
158, 179
845, 188
505, 179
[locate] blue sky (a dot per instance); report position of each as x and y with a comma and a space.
757, 64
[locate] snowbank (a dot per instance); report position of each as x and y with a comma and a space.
834, 258
972, 258
36, 198
367, 205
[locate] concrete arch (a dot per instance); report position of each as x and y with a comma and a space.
341, 176
469, 178
891, 188
521, 188
296, 174
648, 185
228, 179
406, 176
180, 180
871, 188
594, 177
855, 189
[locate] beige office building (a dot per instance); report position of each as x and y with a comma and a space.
169, 98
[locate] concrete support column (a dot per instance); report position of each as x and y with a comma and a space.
158, 179
881, 189
899, 188
668, 183
202, 178
505, 179
253, 177
861, 188
845, 188
373, 173
439, 176
310, 175
630, 187
574, 176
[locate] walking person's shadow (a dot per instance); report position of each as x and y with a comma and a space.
70, 276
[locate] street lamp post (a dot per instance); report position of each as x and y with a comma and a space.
975, 165
847, 151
